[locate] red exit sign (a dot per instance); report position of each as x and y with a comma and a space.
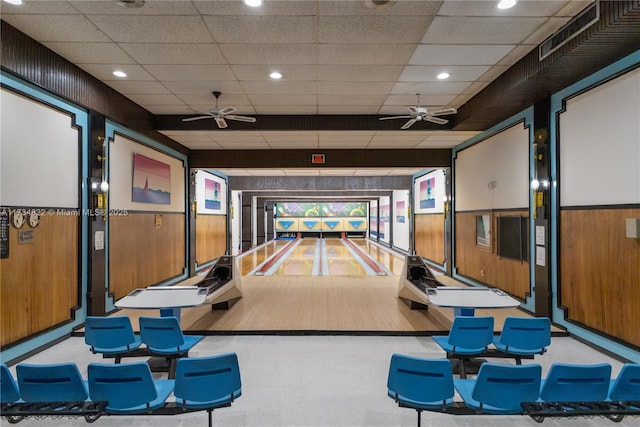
317, 158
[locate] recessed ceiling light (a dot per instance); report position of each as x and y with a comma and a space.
253, 3
506, 4
119, 73
14, 2
443, 75
275, 75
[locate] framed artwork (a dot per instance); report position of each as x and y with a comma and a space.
151, 181
427, 193
211, 194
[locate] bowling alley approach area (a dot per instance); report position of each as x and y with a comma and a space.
322, 286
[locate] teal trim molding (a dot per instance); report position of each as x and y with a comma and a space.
80, 119
557, 106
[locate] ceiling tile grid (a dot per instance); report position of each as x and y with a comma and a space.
347, 57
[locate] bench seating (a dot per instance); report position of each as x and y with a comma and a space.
202, 384
495, 389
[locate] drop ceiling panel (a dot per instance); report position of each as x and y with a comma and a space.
282, 87
365, 54
190, 73
425, 73
261, 72
372, 29
480, 30
355, 73
91, 53
287, 109
427, 54
488, 8
128, 87
350, 99
359, 8
56, 28
164, 7
153, 29
262, 29
440, 88
273, 54
204, 87
105, 72
174, 53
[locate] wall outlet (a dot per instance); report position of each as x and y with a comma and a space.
481, 273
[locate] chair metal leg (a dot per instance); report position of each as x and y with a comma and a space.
463, 373
209, 411
419, 417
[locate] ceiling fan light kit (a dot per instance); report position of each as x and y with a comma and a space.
220, 115
418, 114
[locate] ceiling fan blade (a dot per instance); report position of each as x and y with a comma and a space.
409, 124
221, 122
240, 118
395, 117
443, 112
190, 119
437, 120
413, 109
227, 110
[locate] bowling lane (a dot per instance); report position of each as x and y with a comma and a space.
312, 256
250, 260
392, 261
301, 259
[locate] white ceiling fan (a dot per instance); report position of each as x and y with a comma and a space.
220, 114
418, 114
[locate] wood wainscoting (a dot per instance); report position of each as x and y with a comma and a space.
39, 283
600, 271
429, 236
483, 263
211, 237
141, 253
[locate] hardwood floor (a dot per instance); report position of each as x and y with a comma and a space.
321, 303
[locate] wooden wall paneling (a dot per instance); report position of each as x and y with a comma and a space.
599, 271
39, 281
211, 237
429, 236
482, 263
141, 254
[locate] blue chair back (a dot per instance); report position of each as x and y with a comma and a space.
420, 380
124, 386
576, 383
205, 381
507, 386
526, 333
112, 333
471, 332
627, 385
9, 392
160, 333
51, 383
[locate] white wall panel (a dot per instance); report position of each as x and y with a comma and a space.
401, 219
39, 155
494, 174
599, 145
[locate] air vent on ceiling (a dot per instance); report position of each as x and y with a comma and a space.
578, 24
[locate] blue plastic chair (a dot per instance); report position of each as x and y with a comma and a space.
420, 383
60, 382
110, 336
469, 336
9, 392
163, 337
627, 386
500, 389
207, 382
524, 336
129, 388
567, 382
